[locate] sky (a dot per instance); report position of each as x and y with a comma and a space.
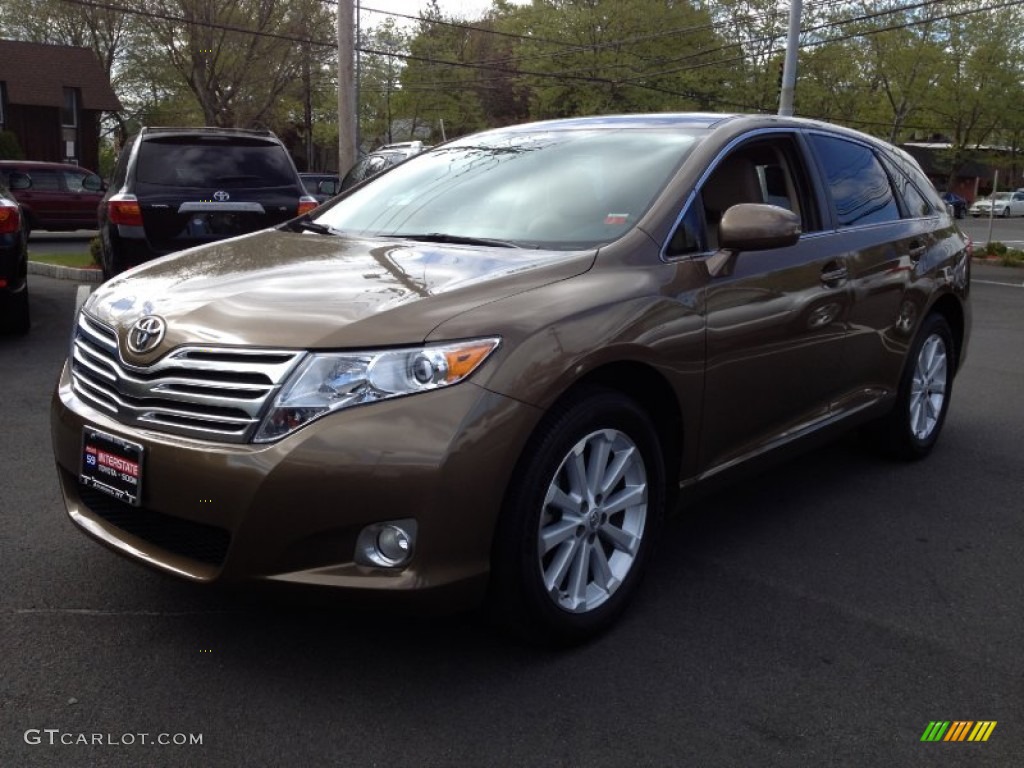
467, 9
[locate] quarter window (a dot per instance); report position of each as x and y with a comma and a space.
915, 204
858, 185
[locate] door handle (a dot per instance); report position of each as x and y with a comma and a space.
917, 250
833, 273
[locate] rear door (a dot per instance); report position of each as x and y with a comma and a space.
80, 203
192, 190
889, 232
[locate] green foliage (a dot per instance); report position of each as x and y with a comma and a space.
897, 70
1006, 256
10, 149
95, 251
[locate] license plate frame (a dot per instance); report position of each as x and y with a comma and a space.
112, 465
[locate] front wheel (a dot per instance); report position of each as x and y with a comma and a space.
580, 520
1005, 213
912, 428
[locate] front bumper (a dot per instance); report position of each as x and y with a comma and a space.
292, 511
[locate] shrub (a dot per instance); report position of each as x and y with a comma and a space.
1012, 258
995, 248
95, 250
9, 147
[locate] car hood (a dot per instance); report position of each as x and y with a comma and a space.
286, 289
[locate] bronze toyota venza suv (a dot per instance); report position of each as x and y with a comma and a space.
488, 373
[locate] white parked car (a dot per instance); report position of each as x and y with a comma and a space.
1000, 204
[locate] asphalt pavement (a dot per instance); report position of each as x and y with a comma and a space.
820, 614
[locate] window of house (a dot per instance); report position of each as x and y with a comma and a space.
69, 112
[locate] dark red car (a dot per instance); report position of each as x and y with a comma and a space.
53, 196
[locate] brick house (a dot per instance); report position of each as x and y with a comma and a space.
51, 98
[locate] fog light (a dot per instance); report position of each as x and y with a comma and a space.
387, 545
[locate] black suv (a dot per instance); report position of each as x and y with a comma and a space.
174, 188
14, 314
380, 160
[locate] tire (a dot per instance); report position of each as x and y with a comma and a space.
110, 263
912, 428
1005, 213
14, 313
564, 567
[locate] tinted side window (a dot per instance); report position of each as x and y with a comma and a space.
857, 183
45, 180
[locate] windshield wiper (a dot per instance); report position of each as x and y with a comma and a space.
304, 224
441, 237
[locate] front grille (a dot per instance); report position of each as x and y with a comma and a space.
198, 541
214, 393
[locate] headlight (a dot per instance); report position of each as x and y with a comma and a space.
327, 382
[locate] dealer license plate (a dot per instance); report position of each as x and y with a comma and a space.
112, 465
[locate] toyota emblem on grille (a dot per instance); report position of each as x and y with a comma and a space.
146, 334
221, 196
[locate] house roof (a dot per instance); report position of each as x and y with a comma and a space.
36, 74
933, 163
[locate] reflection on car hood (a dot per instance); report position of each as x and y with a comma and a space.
282, 289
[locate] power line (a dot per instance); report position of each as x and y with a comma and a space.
573, 74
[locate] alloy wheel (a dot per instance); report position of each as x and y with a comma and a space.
928, 387
593, 520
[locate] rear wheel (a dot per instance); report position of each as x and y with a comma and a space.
14, 312
912, 428
110, 263
580, 520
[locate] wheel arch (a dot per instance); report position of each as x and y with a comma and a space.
652, 392
950, 308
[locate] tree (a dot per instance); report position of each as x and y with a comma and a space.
380, 68
238, 58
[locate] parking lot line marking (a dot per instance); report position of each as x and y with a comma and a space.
996, 282
80, 296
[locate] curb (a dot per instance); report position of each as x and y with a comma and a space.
65, 273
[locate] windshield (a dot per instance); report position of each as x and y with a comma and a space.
554, 189
1001, 196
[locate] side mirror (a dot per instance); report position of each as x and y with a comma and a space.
92, 183
19, 181
327, 187
756, 227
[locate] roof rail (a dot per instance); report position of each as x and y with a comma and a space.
206, 129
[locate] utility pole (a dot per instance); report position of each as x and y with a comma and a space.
346, 87
789, 68
307, 105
